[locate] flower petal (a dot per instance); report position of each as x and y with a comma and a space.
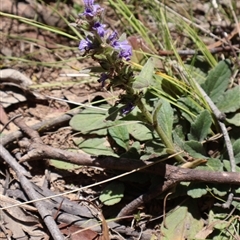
103, 78
124, 48
99, 28
85, 44
127, 108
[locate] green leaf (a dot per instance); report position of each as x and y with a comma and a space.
194, 148
197, 190
153, 149
220, 190
217, 227
145, 78
230, 100
236, 151
227, 166
236, 205
120, 135
165, 118
221, 225
217, 80
200, 127
212, 217
196, 73
140, 132
90, 120
235, 120
212, 164
178, 137
95, 146
112, 193
63, 165
114, 112
133, 152
191, 108
183, 223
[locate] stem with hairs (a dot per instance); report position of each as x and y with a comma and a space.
152, 120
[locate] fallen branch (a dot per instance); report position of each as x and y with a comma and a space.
47, 125
171, 174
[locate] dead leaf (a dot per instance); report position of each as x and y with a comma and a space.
77, 233
14, 76
3, 116
17, 220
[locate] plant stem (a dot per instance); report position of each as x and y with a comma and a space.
149, 119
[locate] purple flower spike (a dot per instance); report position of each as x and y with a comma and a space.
128, 108
99, 28
85, 45
91, 9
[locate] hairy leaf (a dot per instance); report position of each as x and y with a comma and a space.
112, 193
200, 127
140, 132
134, 152
195, 149
192, 109
153, 149
63, 165
220, 190
236, 151
235, 120
217, 80
227, 166
165, 118
183, 223
120, 135
145, 78
212, 164
178, 138
230, 100
90, 120
96, 146
196, 73
209, 228
197, 190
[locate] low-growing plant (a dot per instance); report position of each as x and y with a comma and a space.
157, 114
165, 106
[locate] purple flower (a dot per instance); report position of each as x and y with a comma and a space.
112, 38
85, 44
99, 28
124, 48
127, 108
91, 9
103, 78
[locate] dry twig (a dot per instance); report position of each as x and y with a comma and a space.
27, 186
